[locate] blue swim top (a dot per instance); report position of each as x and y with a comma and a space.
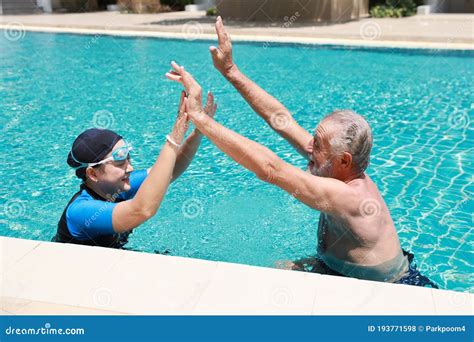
87, 219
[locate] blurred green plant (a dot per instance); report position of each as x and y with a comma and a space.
211, 11
393, 8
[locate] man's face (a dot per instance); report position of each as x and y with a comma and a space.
114, 176
321, 161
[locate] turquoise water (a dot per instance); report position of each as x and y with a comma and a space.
419, 104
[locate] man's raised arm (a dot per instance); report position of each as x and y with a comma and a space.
324, 194
265, 105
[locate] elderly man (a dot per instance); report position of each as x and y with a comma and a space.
356, 235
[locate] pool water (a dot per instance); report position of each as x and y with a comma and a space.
419, 104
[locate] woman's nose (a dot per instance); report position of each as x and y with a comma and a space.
129, 167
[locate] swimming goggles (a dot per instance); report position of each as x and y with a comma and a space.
119, 155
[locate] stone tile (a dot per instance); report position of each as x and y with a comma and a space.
246, 290
430, 31
58, 273
51, 278
12, 305
347, 296
42, 308
453, 303
12, 250
143, 283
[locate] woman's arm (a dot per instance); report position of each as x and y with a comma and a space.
129, 214
186, 154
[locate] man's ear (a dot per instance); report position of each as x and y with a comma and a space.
346, 160
91, 173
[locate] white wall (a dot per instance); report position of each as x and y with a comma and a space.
46, 5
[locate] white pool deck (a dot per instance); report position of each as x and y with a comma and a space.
44, 278
436, 31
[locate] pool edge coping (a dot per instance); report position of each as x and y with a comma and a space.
424, 45
30, 285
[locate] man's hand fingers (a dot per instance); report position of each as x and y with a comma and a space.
178, 69
184, 77
189, 82
173, 77
221, 36
185, 80
214, 51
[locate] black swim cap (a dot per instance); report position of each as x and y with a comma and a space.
91, 146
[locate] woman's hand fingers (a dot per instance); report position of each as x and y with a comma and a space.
211, 106
182, 122
209, 102
182, 103
213, 110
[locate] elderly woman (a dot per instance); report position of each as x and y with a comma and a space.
113, 198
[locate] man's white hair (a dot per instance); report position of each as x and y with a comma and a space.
354, 136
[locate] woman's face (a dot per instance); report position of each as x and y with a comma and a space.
113, 177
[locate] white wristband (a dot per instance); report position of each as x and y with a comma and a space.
172, 142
